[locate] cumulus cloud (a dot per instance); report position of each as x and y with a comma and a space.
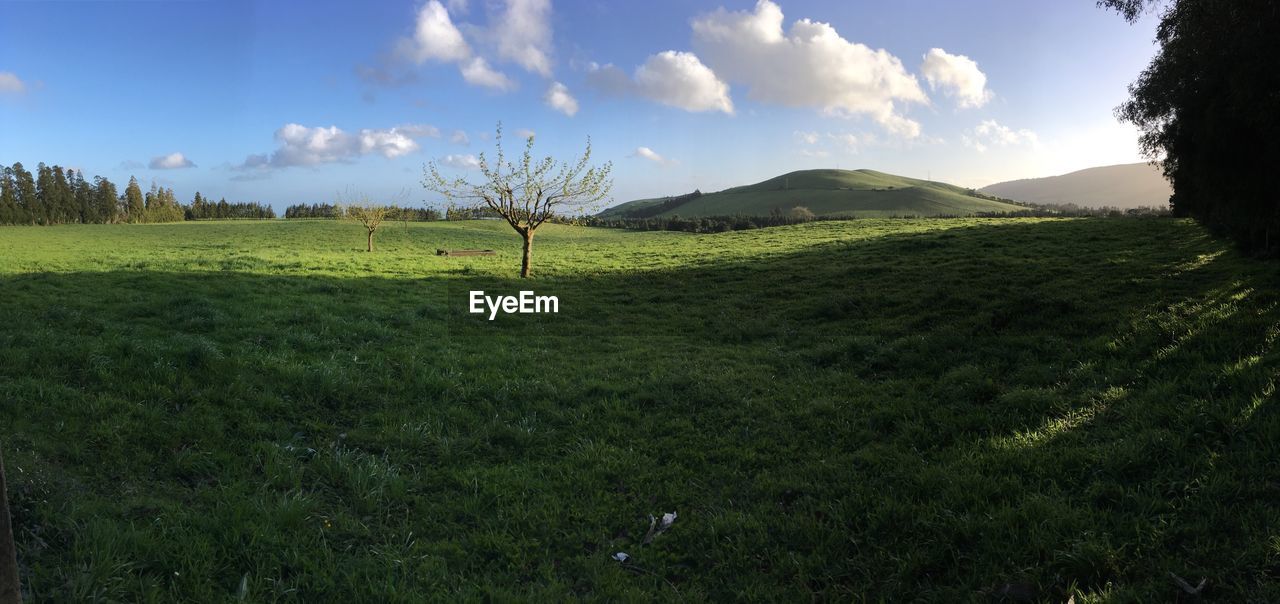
811, 65
956, 76
679, 79
523, 34
525, 133
459, 138
558, 98
477, 71
172, 161
519, 32
651, 155
990, 133
676, 79
461, 162
436, 38
10, 83
303, 146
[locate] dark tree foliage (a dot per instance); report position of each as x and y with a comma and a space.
57, 195
203, 209
313, 210
720, 224
333, 212
135, 209
1208, 107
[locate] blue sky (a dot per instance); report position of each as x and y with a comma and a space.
287, 102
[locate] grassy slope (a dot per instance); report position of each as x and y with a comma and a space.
864, 193
891, 409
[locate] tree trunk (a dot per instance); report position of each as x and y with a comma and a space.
10, 592
370, 241
528, 254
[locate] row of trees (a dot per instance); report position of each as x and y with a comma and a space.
54, 195
207, 209
337, 211
1207, 107
800, 215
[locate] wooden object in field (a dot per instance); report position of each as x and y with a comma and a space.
440, 252
10, 592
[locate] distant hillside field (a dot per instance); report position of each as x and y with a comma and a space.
1122, 186
862, 193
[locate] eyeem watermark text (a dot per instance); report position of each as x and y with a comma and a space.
526, 303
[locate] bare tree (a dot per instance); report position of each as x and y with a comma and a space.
368, 214
528, 193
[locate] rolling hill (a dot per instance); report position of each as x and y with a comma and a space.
864, 193
1123, 186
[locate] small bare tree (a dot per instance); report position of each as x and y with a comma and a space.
370, 215
529, 193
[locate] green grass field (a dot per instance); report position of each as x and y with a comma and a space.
847, 193
934, 410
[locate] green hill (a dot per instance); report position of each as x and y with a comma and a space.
864, 193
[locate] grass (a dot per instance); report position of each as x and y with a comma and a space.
938, 410
849, 193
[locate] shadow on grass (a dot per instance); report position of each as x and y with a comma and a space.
1062, 405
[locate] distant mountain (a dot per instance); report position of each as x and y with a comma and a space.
1123, 186
864, 193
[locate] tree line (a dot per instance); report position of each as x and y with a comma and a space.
1207, 107
57, 195
207, 209
331, 211
720, 224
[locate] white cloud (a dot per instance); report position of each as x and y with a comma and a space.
303, 146
461, 162
679, 79
676, 79
523, 34
990, 133
11, 83
558, 98
172, 161
459, 138
651, 155
957, 76
809, 66
525, 134
477, 71
436, 38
